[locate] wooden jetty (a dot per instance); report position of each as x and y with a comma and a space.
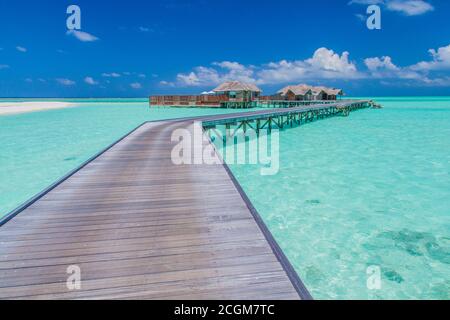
139, 227
276, 103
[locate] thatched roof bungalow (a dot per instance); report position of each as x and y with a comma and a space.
238, 91
328, 93
300, 92
307, 92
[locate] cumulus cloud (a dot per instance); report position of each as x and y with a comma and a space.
21, 49
324, 64
384, 68
424, 72
82, 36
4, 66
440, 60
90, 81
136, 85
65, 82
220, 72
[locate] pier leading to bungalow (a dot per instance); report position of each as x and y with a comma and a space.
139, 227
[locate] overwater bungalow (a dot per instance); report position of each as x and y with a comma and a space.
306, 92
324, 93
237, 94
238, 91
295, 93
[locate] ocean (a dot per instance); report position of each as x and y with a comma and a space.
355, 196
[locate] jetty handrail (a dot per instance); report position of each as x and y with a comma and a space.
254, 115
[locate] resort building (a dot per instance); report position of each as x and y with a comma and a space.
238, 91
295, 93
236, 94
324, 93
305, 92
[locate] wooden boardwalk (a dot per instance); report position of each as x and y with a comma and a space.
140, 227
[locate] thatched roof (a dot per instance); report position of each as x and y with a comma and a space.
299, 90
336, 92
303, 89
237, 86
330, 91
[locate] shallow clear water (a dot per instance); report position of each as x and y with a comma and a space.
38, 148
372, 189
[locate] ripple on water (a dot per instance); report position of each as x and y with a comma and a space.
371, 189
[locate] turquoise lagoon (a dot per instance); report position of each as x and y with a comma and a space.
38, 148
372, 189
369, 190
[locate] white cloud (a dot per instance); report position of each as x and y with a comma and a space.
167, 83
424, 72
201, 76
437, 82
90, 81
361, 17
82, 36
409, 7
384, 68
111, 75
29, 80
326, 60
375, 64
324, 64
65, 82
144, 29
136, 85
441, 60
141, 75
21, 49
4, 66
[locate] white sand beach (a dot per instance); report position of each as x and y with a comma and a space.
7, 108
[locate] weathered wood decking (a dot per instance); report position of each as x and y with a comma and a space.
140, 227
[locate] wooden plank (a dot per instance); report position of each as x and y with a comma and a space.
140, 227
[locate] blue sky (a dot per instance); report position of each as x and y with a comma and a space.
135, 48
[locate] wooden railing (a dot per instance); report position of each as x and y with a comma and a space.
186, 100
